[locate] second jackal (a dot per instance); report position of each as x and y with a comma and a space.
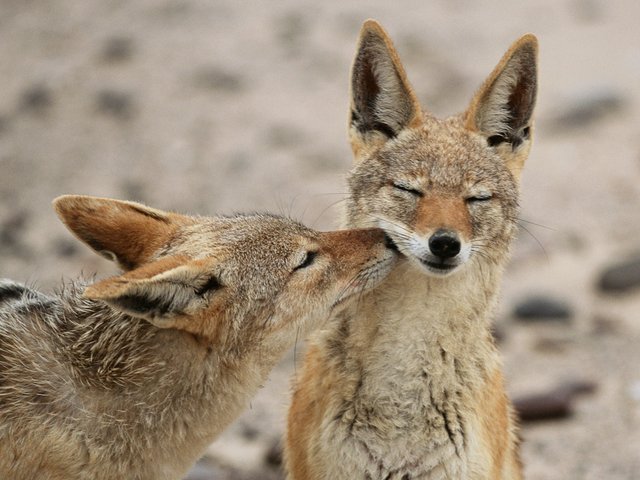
407, 384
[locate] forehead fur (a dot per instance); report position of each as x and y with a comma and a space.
440, 154
249, 243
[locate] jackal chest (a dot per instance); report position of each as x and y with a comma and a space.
406, 439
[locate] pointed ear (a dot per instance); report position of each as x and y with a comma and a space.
162, 291
127, 232
502, 109
382, 100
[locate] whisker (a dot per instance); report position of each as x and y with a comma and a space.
324, 210
536, 224
537, 241
395, 224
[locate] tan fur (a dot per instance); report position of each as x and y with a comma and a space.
135, 377
406, 384
439, 211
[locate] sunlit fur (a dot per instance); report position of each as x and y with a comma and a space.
406, 384
133, 376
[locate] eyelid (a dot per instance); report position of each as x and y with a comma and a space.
480, 197
407, 188
308, 260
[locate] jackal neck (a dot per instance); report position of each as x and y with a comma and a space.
437, 331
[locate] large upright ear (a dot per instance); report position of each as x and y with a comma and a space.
127, 232
502, 109
162, 292
382, 100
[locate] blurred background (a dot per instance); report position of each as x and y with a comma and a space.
221, 106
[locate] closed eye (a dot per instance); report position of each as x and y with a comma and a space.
403, 187
212, 284
481, 197
307, 260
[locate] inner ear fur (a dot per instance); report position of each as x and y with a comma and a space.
160, 291
502, 109
128, 232
382, 102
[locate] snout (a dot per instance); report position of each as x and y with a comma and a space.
446, 251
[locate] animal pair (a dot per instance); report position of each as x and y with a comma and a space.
404, 384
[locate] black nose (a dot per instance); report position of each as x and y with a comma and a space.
444, 244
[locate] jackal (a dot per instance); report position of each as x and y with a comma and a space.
133, 378
407, 383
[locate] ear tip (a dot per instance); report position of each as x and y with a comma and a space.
528, 40
372, 27
65, 203
371, 23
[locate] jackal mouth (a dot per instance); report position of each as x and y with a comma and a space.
438, 267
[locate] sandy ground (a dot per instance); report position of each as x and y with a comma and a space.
221, 106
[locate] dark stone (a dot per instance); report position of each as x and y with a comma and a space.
621, 277
589, 108
65, 248
544, 406
556, 403
249, 432
118, 49
540, 308
37, 97
12, 229
116, 103
218, 79
273, 457
552, 344
134, 190
605, 326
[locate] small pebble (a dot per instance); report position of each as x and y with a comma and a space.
12, 228
621, 277
65, 248
541, 308
249, 432
544, 406
605, 326
37, 97
219, 79
552, 344
273, 457
116, 103
554, 404
117, 49
590, 107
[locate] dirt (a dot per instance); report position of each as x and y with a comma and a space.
215, 107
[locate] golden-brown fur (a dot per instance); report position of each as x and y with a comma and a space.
135, 377
406, 384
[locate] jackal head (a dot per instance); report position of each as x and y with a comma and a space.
445, 191
227, 280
